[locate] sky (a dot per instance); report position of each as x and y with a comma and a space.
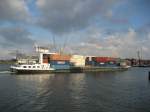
117, 28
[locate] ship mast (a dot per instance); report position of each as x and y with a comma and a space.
139, 58
65, 43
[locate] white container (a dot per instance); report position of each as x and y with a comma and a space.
78, 60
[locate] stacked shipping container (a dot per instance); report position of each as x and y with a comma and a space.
104, 59
78, 60
59, 64
60, 57
61, 61
89, 61
101, 61
57, 61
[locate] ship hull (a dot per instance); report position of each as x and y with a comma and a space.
71, 70
30, 71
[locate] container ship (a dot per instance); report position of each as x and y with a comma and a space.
56, 62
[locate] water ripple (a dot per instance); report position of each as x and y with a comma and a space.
127, 91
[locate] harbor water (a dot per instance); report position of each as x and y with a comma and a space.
122, 91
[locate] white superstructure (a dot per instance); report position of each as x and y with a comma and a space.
32, 67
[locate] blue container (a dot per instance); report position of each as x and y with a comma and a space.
60, 67
92, 63
59, 62
108, 64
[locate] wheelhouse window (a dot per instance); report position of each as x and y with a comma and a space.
33, 66
38, 66
24, 66
29, 66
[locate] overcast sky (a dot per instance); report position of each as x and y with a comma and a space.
117, 28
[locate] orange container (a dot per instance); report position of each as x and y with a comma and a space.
45, 60
60, 57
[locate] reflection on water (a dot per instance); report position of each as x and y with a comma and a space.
127, 91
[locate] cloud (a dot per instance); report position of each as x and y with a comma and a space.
118, 44
14, 37
15, 10
98, 27
69, 15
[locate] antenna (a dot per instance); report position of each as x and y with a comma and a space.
36, 47
54, 44
65, 43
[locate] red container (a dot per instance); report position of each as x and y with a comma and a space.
104, 59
